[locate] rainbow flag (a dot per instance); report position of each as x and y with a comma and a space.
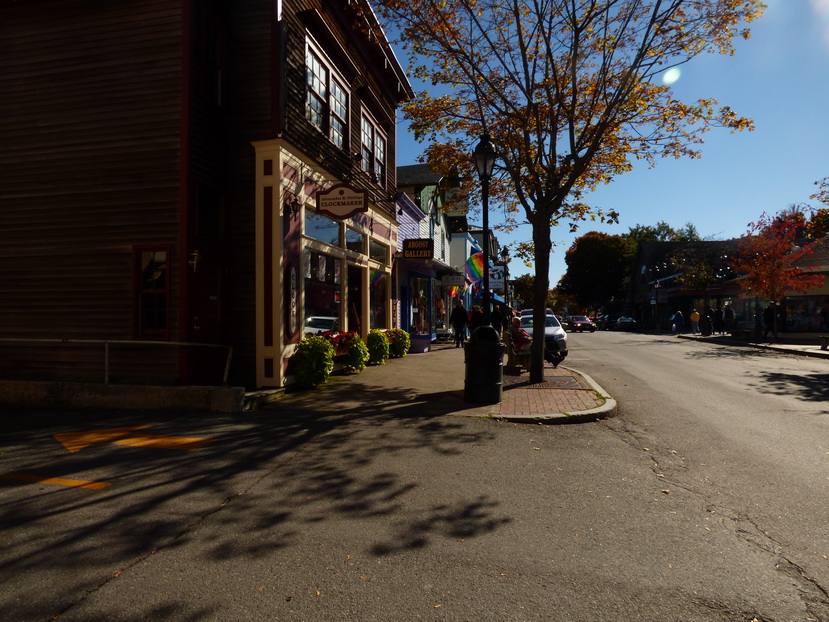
475, 267
377, 277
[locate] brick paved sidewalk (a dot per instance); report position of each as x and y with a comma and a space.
565, 393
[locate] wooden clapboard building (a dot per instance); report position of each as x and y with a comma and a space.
160, 162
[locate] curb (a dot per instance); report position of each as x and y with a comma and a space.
604, 411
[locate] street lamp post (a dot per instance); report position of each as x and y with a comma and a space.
484, 353
504, 260
485, 155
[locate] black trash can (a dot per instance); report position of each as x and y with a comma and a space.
484, 358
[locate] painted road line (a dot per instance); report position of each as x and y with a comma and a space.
55, 481
75, 441
186, 443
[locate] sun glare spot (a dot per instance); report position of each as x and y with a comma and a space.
671, 76
821, 10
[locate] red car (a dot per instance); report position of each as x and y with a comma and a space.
580, 323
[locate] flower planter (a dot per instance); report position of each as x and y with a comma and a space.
420, 343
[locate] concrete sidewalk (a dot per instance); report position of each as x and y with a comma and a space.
776, 345
435, 381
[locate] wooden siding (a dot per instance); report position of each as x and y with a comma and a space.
252, 75
89, 162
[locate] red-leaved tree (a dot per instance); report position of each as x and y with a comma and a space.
771, 260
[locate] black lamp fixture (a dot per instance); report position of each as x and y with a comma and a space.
485, 154
504, 260
293, 206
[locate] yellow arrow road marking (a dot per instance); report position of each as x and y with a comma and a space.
57, 481
186, 443
75, 441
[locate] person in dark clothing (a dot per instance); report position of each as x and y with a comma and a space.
497, 319
728, 315
679, 322
768, 320
476, 317
719, 321
458, 319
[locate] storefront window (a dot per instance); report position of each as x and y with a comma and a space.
439, 312
322, 228
322, 291
378, 252
420, 291
807, 314
355, 241
378, 295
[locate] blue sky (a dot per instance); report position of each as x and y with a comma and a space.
780, 79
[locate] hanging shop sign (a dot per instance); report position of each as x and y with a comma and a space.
453, 280
496, 278
342, 201
419, 248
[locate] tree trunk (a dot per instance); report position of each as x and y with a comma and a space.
543, 247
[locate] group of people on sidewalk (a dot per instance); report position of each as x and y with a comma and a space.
501, 319
719, 321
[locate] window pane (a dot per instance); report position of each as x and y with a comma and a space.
378, 252
355, 241
322, 292
322, 228
367, 133
317, 78
339, 113
379, 155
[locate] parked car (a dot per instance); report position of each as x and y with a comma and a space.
580, 323
608, 322
317, 324
625, 323
555, 338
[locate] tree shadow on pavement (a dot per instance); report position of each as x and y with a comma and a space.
805, 387
266, 480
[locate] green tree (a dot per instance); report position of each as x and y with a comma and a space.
571, 93
524, 290
598, 266
661, 232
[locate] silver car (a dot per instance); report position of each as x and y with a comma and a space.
555, 337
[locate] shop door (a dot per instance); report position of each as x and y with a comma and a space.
207, 321
354, 300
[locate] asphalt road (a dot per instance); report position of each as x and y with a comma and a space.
704, 500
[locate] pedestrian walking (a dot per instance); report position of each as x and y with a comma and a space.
458, 319
695, 322
768, 320
678, 322
728, 313
719, 321
496, 318
476, 317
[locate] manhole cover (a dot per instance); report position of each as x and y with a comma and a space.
557, 382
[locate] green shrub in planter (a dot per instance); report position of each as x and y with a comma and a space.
356, 355
399, 342
313, 361
378, 347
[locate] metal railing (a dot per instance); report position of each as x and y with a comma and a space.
107, 342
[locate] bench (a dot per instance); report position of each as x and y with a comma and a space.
515, 361
824, 342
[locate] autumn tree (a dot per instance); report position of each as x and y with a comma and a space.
570, 92
772, 260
